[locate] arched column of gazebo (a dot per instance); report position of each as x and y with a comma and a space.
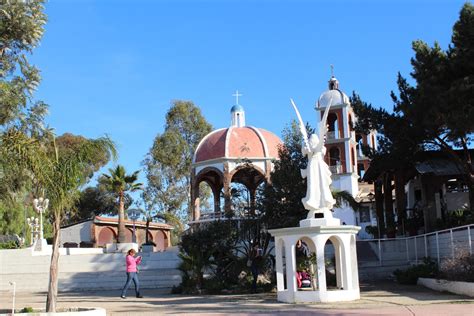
214, 178
249, 175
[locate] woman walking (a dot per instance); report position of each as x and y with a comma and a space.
132, 273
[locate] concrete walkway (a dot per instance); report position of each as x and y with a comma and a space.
379, 299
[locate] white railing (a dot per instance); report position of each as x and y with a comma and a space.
440, 244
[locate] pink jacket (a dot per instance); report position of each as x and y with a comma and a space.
132, 263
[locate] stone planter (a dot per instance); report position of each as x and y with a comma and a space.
456, 287
82, 311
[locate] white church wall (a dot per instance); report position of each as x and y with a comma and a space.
76, 233
346, 182
346, 214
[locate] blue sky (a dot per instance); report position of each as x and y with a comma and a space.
113, 67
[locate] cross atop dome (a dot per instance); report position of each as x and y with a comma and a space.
237, 112
237, 95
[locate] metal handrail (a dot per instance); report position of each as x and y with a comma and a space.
420, 235
425, 237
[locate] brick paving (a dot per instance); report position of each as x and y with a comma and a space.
376, 299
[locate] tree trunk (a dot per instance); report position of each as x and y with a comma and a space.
54, 270
400, 199
379, 205
121, 219
388, 201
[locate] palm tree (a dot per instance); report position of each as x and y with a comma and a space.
344, 197
119, 183
58, 175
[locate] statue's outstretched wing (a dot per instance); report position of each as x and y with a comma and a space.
303, 131
323, 125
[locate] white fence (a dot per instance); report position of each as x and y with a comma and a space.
437, 245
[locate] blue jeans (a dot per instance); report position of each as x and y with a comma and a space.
131, 276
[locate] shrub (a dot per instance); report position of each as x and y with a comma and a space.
427, 269
9, 245
27, 309
459, 268
208, 249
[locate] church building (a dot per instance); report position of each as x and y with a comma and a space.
244, 154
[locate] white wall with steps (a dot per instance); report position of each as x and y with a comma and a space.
86, 272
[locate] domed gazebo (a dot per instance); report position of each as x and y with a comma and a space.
237, 154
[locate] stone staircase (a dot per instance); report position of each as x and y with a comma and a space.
87, 272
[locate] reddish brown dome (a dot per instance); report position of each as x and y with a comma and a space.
238, 142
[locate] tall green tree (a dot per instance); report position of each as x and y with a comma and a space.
442, 102
21, 29
95, 200
168, 164
398, 145
30, 158
119, 183
281, 201
58, 175
438, 111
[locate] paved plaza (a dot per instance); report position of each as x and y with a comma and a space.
376, 299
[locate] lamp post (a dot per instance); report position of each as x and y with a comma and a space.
33, 224
134, 214
40, 206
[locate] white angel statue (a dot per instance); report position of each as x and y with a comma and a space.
318, 197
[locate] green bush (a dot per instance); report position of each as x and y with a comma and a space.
208, 249
9, 245
459, 217
427, 269
27, 309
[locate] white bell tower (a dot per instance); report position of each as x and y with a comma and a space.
341, 155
